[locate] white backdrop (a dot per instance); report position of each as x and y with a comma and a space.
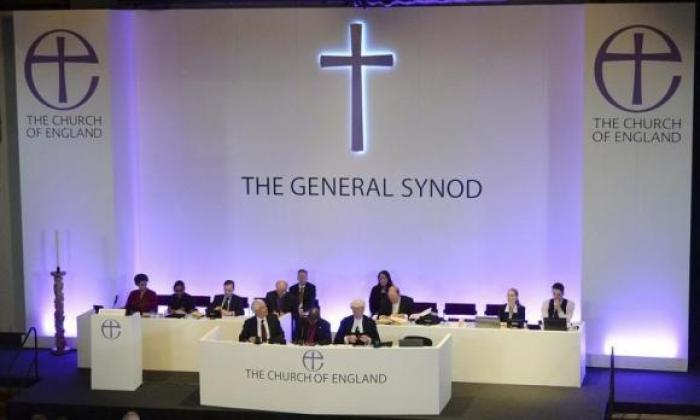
241, 93
66, 176
637, 194
200, 99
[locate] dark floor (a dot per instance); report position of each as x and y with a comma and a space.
64, 390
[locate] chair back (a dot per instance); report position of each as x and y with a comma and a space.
201, 301
460, 309
421, 306
492, 309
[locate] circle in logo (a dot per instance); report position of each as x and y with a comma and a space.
639, 56
312, 360
111, 329
59, 60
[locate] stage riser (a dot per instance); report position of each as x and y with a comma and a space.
11, 339
667, 409
25, 411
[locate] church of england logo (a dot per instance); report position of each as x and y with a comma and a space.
312, 360
111, 329
50, 49
613, 52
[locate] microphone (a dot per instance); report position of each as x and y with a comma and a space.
258, 340
114, 304
358, 334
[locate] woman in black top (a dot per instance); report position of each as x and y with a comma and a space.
512, 310
378, 292
180, 303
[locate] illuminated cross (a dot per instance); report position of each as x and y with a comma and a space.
356, 60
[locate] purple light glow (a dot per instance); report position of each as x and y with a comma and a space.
125, 144
191, 113
645, 344
194, 225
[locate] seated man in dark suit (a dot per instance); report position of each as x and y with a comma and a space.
304, 292
313, 330
280, 301
180, 303
357, 329
512, 310
263, 327
228, 303
395, 304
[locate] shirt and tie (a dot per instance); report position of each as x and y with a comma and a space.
310, 338
226, 304
301, 296
280, 303
262, 329
356, 328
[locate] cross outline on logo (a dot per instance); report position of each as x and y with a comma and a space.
638, 57
313, 356
111, 325
61, 59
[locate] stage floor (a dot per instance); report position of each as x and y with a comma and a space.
65, 390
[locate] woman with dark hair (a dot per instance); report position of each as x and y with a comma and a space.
378, 293
180, 302
143, 299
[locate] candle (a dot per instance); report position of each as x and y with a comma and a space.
58, 252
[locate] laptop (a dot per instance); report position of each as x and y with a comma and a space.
488, 322
555, 324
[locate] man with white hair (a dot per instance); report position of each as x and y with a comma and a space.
357, 329
280, 301
131, 415
263, 327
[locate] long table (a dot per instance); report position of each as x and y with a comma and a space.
480, 355
170, 344
506, 356
341, 380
